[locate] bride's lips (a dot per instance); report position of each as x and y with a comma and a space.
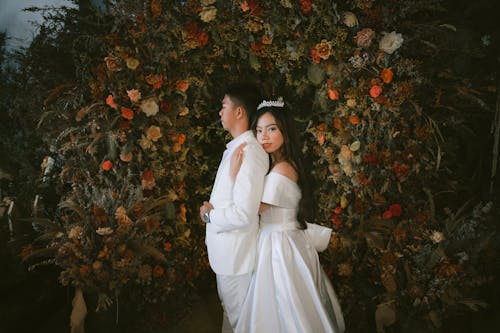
266, 145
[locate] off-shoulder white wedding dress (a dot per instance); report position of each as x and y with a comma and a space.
289, 291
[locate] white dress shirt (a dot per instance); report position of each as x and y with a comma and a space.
231, 235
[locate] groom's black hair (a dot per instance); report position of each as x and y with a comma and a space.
245, 94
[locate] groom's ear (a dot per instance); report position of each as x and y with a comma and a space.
240, 112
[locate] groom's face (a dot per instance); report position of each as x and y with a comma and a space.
228, 113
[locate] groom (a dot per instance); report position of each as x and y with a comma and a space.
231, 216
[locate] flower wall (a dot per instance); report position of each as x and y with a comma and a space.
137, 143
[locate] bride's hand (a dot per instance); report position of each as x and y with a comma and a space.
263, 207
237, 159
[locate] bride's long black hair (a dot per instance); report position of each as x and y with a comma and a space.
292, 153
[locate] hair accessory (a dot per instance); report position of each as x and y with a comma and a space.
277, 103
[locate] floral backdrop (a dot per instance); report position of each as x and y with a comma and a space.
133, 143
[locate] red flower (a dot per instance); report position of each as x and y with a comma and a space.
400, 169
202, 38
314, 55
167, 246
387, 214
125, 125
165, 106
158, 271
127, 113
362, 179
107, 165
375, 91
305, 6
370, 159
336, 221
395, 209
147, 175
338, 210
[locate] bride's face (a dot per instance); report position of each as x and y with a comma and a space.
268, 133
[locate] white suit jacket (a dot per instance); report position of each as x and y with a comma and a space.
231, 235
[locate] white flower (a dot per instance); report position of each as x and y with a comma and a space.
208, 14
104, 231
390, 42
350, 19
149, 107
437, 237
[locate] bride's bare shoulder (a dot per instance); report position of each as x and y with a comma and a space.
287, 170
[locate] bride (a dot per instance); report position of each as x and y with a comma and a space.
289, 291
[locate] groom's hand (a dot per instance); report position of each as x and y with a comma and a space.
206, 207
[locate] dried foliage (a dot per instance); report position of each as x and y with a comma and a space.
136, 145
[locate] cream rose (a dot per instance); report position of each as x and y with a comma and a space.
390, 42
350, 19
208, 14
149, 107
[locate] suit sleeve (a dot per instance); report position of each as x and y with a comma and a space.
247, 193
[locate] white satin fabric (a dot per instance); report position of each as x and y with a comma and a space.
289, 291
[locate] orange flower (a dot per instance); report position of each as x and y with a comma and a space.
182, 85
338, 124
386, 75
158, 271
110, 101
375, 91
244, 6
333, 94
156, 80
257, 47
266, 40
321, 139
181, 138
127, 113
354, 119
167, 246
323, 49
154, 133
106, 165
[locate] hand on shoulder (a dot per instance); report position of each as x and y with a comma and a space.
237, 159
286, 169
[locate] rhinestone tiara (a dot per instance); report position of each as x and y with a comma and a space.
277, 103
